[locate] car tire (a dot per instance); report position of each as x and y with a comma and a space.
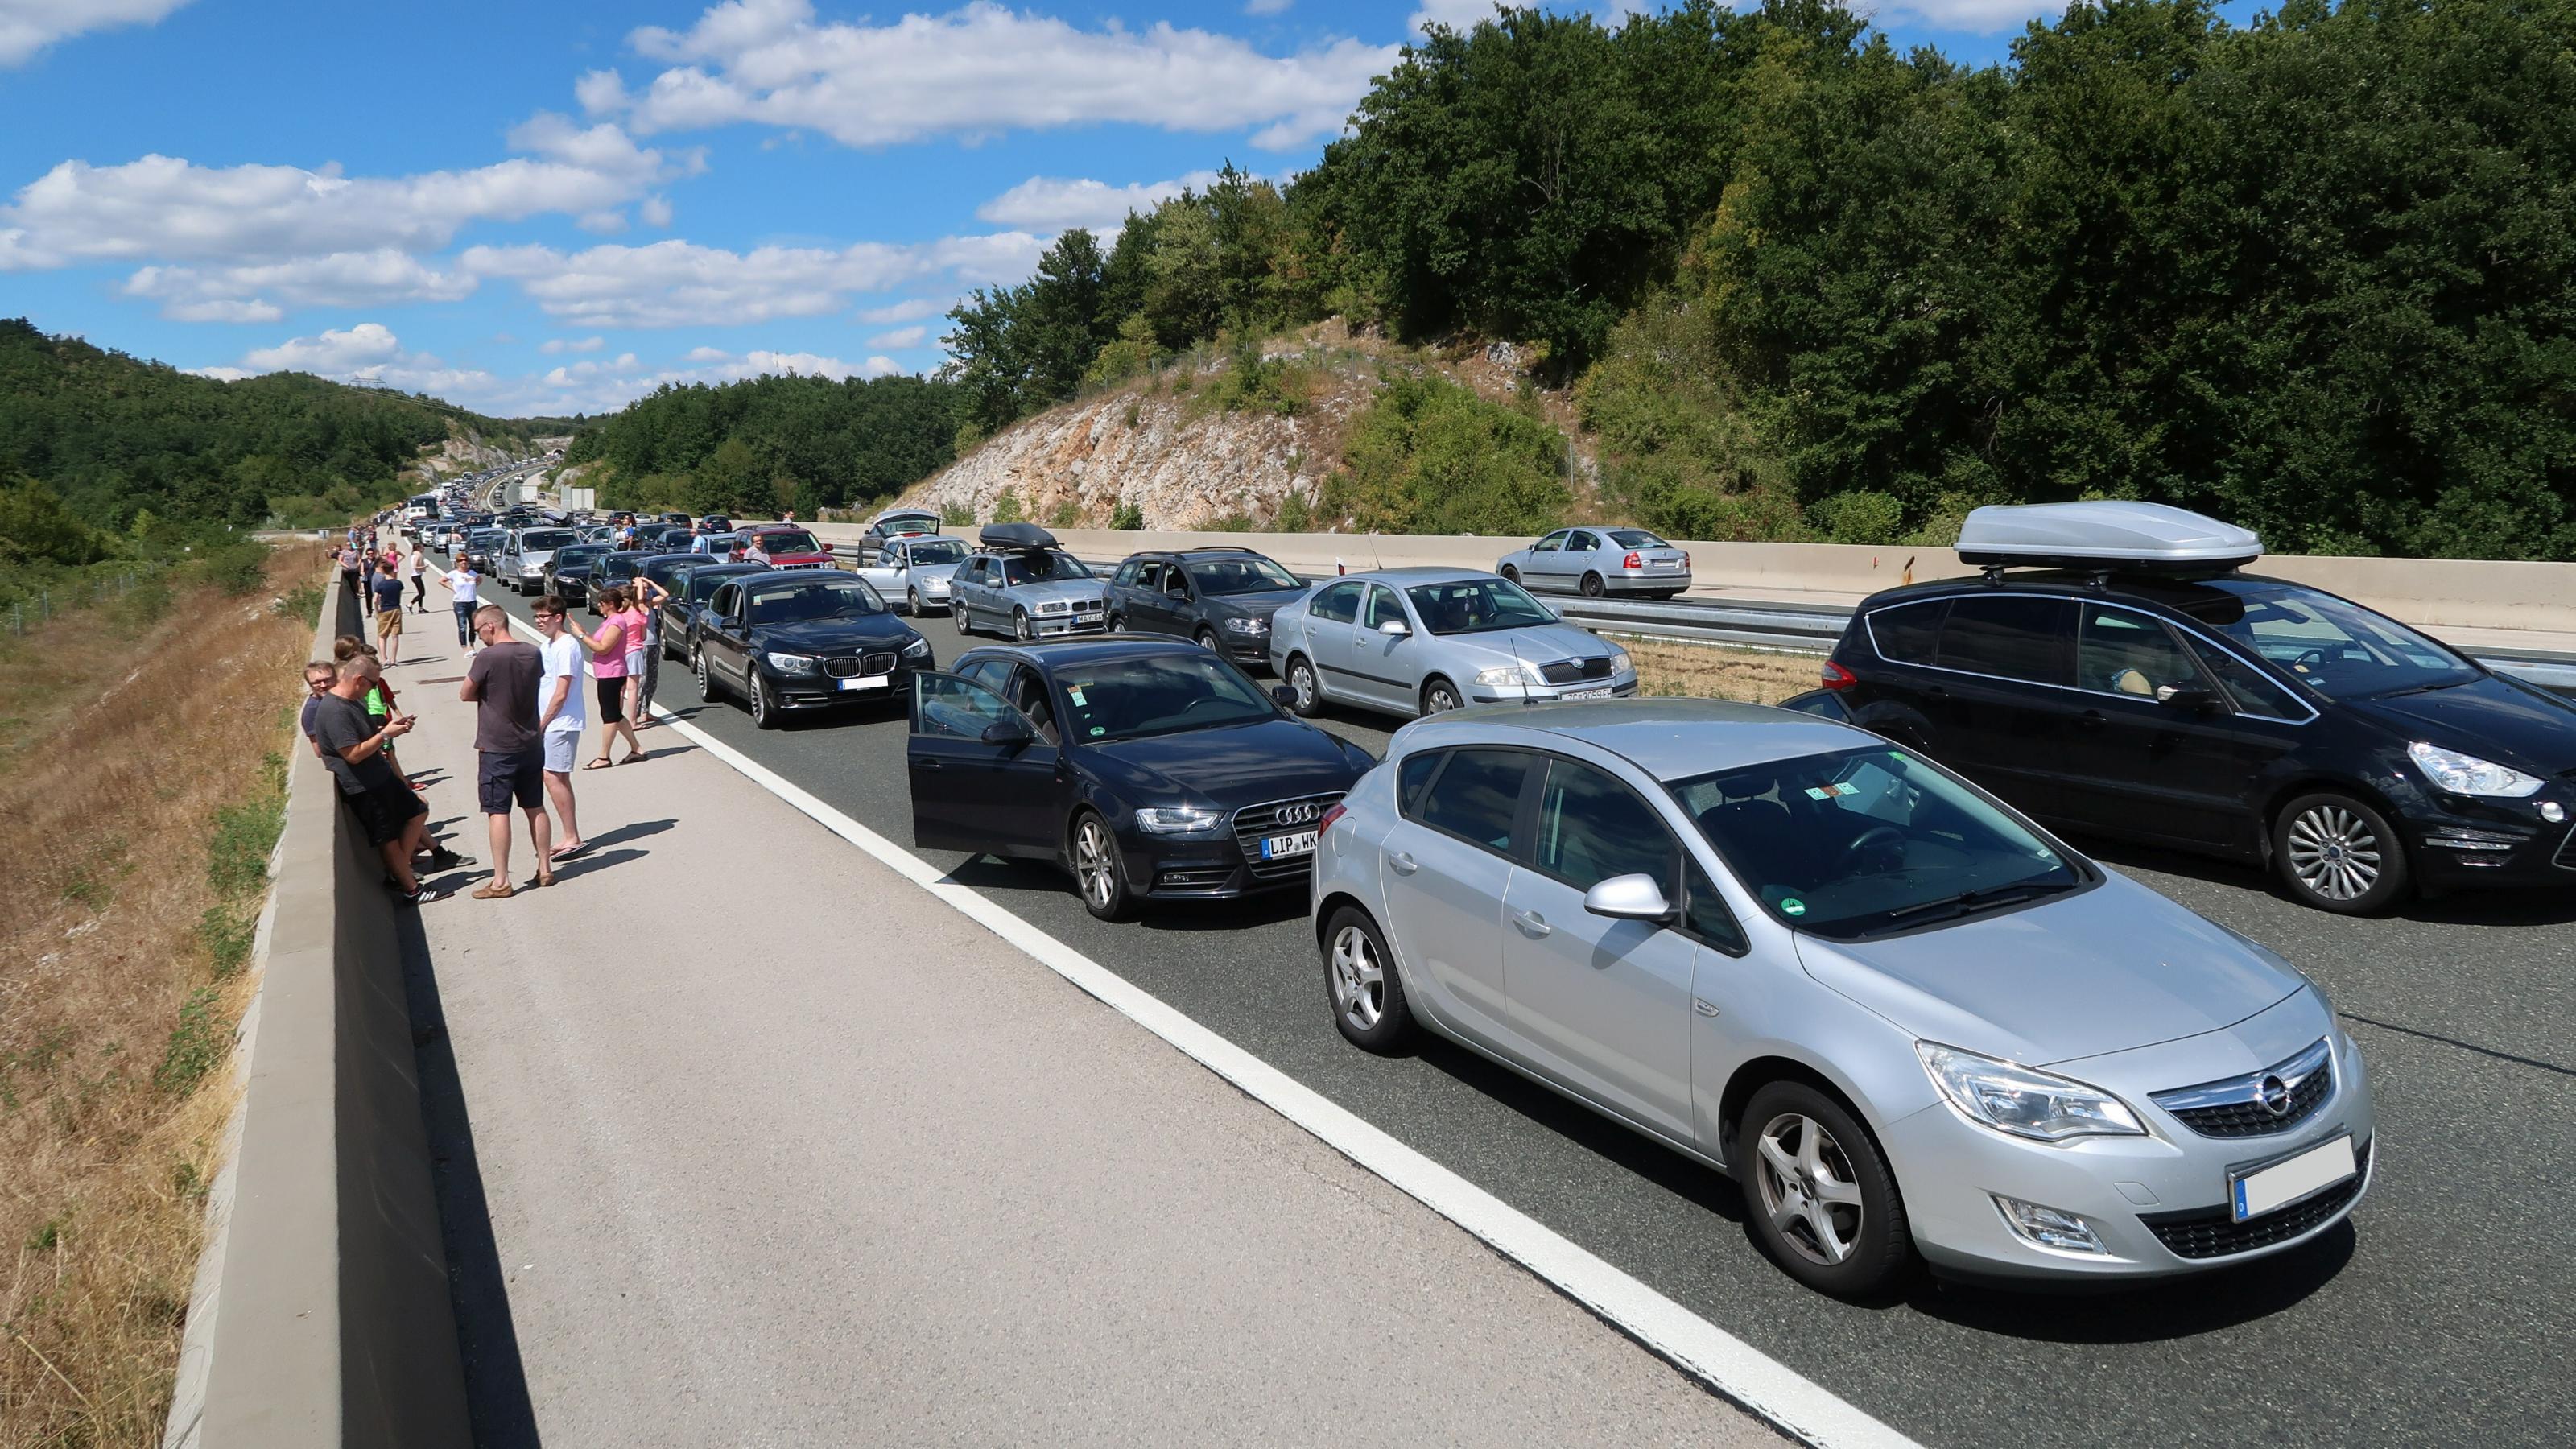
1208, 642
957, 614
1099, 874
1592, 586
2337, 854
764, 704
1309, 690
1361, 985
1117, 623
1511, 574
1439, 696
912, 602
1021, 628
1794, 1146
706, 677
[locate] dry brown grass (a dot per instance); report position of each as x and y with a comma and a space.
124, 742
1667, 667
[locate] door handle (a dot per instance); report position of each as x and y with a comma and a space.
1935, 692
1531, 923
2090, 719
1402, 863
925, 764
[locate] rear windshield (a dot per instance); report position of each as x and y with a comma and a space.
545, 538
1636, 538
580, 552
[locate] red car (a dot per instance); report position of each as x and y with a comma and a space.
782, 547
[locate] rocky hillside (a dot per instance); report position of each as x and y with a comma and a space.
463, 451
1188, 449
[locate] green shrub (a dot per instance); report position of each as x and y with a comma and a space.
1860, 517
1429, 456
1128, 516
239, 567
197, 1044
956, 515
1294, 514
1065, 514
1007, 508
227, 934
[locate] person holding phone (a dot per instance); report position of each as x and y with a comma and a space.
356, 749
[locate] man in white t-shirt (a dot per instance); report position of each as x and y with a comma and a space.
465, 588
561, 712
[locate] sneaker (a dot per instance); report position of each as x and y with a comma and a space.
421, 897
445, 859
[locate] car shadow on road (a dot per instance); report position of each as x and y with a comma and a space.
496, 1384
2500, 907
2179, 1308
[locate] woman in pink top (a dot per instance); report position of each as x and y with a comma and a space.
608, 650
633, 621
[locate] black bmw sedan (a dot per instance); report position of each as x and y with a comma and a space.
804, 639
1148, 768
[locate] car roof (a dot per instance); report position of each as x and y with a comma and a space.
1063, 653
789, 576
1670, 739
2174, 591
1421, 574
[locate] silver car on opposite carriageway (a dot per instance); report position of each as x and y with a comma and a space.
1020, 583
1598, 561
1423, 640
912, 571
1908, 1020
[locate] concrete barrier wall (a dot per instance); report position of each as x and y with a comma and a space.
2462, 593
324, 1318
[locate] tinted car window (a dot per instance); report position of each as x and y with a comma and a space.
1477, 796
1636, 538
1028, 692
2120, 651
957, 709
1050, 566
1869, 840
1411, 776
1908, 633
1120, 699
1126, 574
987, 672
1704, 912
2333, 645
1474, 606
1340, 603
1591, 828
2244, 685
1582, 543
2009, 637
1380, 607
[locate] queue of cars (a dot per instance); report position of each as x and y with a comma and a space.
1835, 950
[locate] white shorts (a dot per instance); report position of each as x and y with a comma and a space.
635, 664
561, 746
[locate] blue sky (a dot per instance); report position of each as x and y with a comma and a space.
552, 207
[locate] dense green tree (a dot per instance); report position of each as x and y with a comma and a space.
773, 441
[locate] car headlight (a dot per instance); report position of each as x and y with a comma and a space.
793, 663
2023, 1102
2460, 774
1247, 626
1178, 819
1619, 661
1511, 674
1055, 608
919, 648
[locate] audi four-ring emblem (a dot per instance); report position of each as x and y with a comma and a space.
1300, 814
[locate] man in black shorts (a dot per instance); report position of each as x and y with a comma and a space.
394, 816
501, 684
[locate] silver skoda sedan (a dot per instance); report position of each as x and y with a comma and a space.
1598, 561
1424, 640
1908, 1020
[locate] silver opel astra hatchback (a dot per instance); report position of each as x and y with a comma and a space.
1906, 1019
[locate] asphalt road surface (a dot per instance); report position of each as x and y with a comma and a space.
2439, 1314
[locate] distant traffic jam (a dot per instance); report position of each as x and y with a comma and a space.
1834, 949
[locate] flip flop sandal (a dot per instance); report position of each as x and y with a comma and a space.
602, 763
559, 855
638, 755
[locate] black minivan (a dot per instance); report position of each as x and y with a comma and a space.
2229, 714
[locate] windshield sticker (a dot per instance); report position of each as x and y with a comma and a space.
1827, 792
1098, 730
1793, 907
1078, 701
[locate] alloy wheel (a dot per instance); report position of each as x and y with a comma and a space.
1020, 624
912, 602
760, 705
706, 682
1359, 982
1301, 682
1808, 1188
1094, 864
2334, 852
1440, 698
957, 615
1511, 575
1207, 641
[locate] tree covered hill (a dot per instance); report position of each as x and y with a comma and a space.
115, 436
770, 442
2315, 273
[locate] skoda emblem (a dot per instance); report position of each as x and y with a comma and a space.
2274, 1094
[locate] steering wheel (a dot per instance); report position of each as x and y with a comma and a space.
1876, 835
2313, 656
1197, 704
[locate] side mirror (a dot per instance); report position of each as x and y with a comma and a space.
1628, 898
1007, 732
2193, 701
1395, 628
1284, 695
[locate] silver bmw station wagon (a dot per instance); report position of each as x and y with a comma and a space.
1909, 1021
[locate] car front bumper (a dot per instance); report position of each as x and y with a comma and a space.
1047, 625
2141, 1195
1620, 686
806, 691
1178, 868
2462, 843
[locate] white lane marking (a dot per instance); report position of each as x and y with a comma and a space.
1735, 1369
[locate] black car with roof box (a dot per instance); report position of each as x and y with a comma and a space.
2133, 683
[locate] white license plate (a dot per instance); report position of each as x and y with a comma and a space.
1602, 693
1279, 847
2283, 1183
1668, 563
865, 681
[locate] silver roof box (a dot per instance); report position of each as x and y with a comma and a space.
2107, 534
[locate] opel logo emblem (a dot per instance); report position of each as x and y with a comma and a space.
2274, 1094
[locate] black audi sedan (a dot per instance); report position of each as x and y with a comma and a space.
804, 639
1150, 769
1222, 597
2224, 713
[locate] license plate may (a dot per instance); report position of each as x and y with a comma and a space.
865, 681
1278, 847
2255, 1193
1601, 693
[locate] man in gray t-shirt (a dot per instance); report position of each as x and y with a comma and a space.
502, 685
394, 816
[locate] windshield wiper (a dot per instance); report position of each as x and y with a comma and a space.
1977, 900
2424, 688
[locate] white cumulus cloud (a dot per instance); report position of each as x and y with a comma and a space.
262, 291
1050, 204
28, 26
681, 283
900, 337
974, 71
554, 345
